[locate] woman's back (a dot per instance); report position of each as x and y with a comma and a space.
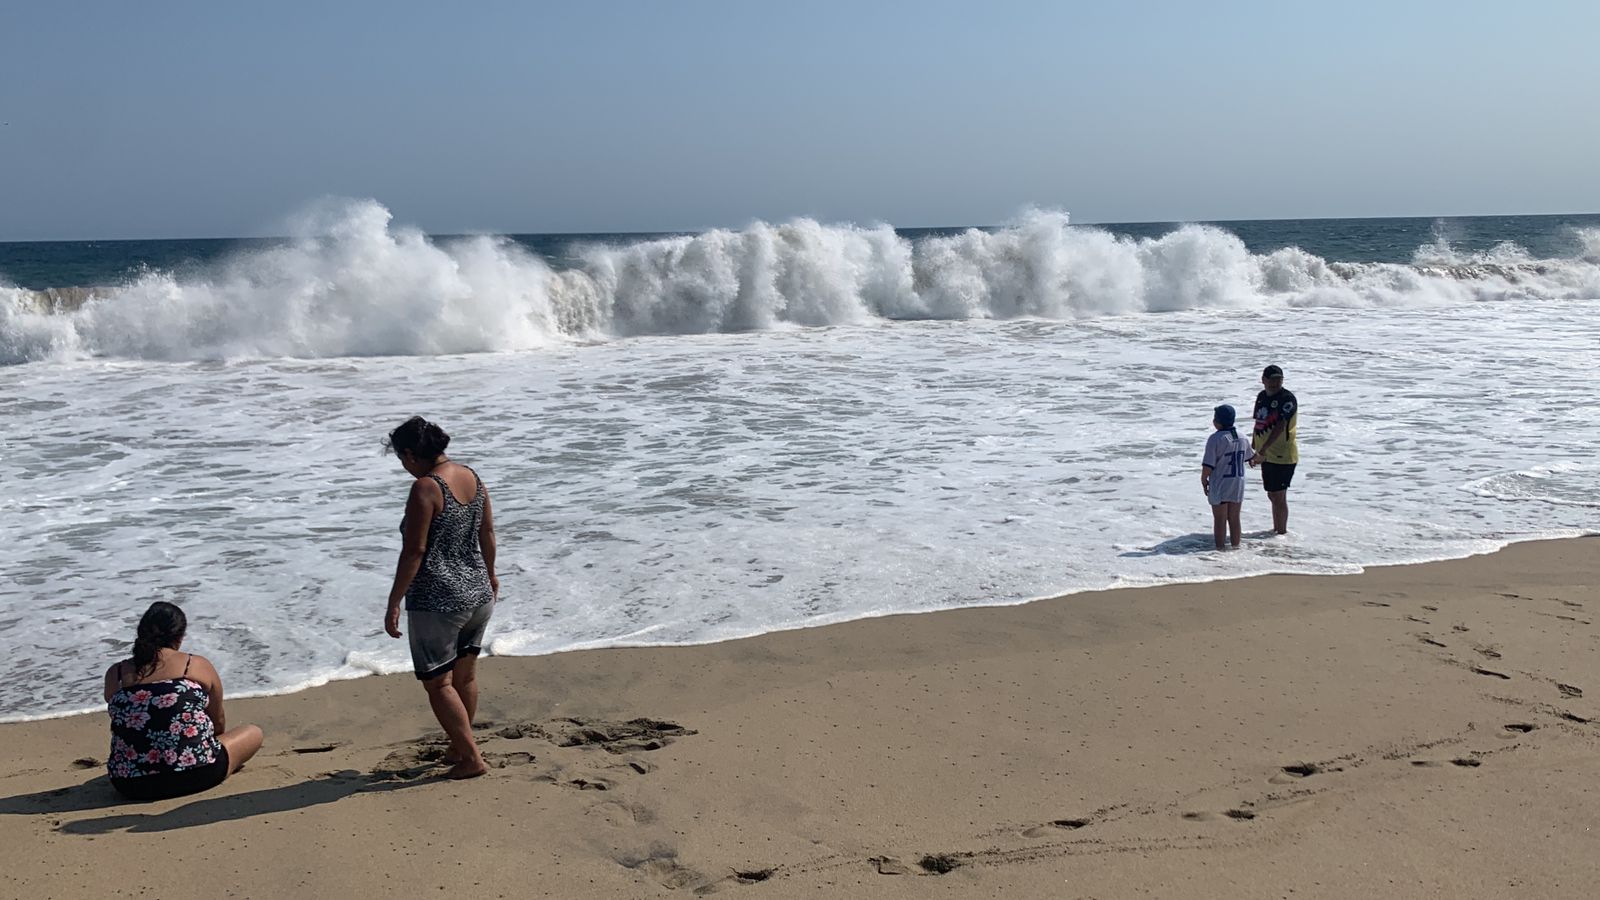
159, 725
453, 575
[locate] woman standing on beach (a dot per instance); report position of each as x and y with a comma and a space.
446, 578
169, 735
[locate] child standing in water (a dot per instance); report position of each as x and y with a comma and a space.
1222, 476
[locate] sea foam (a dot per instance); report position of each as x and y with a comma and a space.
350, 283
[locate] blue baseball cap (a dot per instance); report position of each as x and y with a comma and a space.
1223, 415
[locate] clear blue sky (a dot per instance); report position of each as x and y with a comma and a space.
168, 119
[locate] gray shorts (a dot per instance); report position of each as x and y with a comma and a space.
439, 638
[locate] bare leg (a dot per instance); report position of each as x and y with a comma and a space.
241, 743
1233, 524
452, 716
1280, 511
1219, 525
465, 679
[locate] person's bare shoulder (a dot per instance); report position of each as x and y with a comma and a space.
426, 490
201, 670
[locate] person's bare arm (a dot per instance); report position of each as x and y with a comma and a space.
486, 542
420, 508
1205, 479
205, 674
113, 681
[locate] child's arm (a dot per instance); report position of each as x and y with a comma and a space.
1205, 479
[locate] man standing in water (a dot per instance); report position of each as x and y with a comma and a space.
1277, 413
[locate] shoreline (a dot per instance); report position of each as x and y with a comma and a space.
1417, 730
319, 682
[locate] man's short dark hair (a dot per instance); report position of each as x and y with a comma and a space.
1272, 372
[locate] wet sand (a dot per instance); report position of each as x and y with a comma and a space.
1415, 731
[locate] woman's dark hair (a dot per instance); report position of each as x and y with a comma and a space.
162, 626
419, 437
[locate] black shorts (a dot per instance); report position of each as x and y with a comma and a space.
166, 785
1276, 476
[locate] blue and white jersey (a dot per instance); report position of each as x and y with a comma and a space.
1226, 454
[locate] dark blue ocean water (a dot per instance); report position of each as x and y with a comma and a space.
43, 264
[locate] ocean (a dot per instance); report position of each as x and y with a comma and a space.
692, 438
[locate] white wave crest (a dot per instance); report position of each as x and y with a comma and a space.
351, 284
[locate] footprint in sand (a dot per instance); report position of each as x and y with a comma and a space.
1430, 641
1487, 652
410, 762
1055, 827
505, 760
661, 864
616, 737
1491, 673
1466, 762
621, 814
633, 735
739, 876
1237, 815
888, 865
940, 863
1296, 772
1568, 690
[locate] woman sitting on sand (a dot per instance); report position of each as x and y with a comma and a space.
446, 578
169, 734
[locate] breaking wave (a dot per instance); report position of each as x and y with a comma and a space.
351, 284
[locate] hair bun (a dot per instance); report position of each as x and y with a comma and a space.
419, 437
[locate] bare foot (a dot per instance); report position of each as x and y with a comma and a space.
467, 769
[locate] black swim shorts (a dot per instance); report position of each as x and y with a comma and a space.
1276, 476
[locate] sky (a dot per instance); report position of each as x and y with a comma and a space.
179, 119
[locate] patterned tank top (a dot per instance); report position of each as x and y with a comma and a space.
161, 728
453, 577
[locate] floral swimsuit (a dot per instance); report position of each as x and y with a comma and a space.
160, 730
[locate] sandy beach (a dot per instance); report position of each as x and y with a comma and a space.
1415, 731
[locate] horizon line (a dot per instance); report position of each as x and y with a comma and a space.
695, 231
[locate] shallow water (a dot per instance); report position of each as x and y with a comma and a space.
694, 488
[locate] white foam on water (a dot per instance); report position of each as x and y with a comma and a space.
349, 283
1567, 484
676, 490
